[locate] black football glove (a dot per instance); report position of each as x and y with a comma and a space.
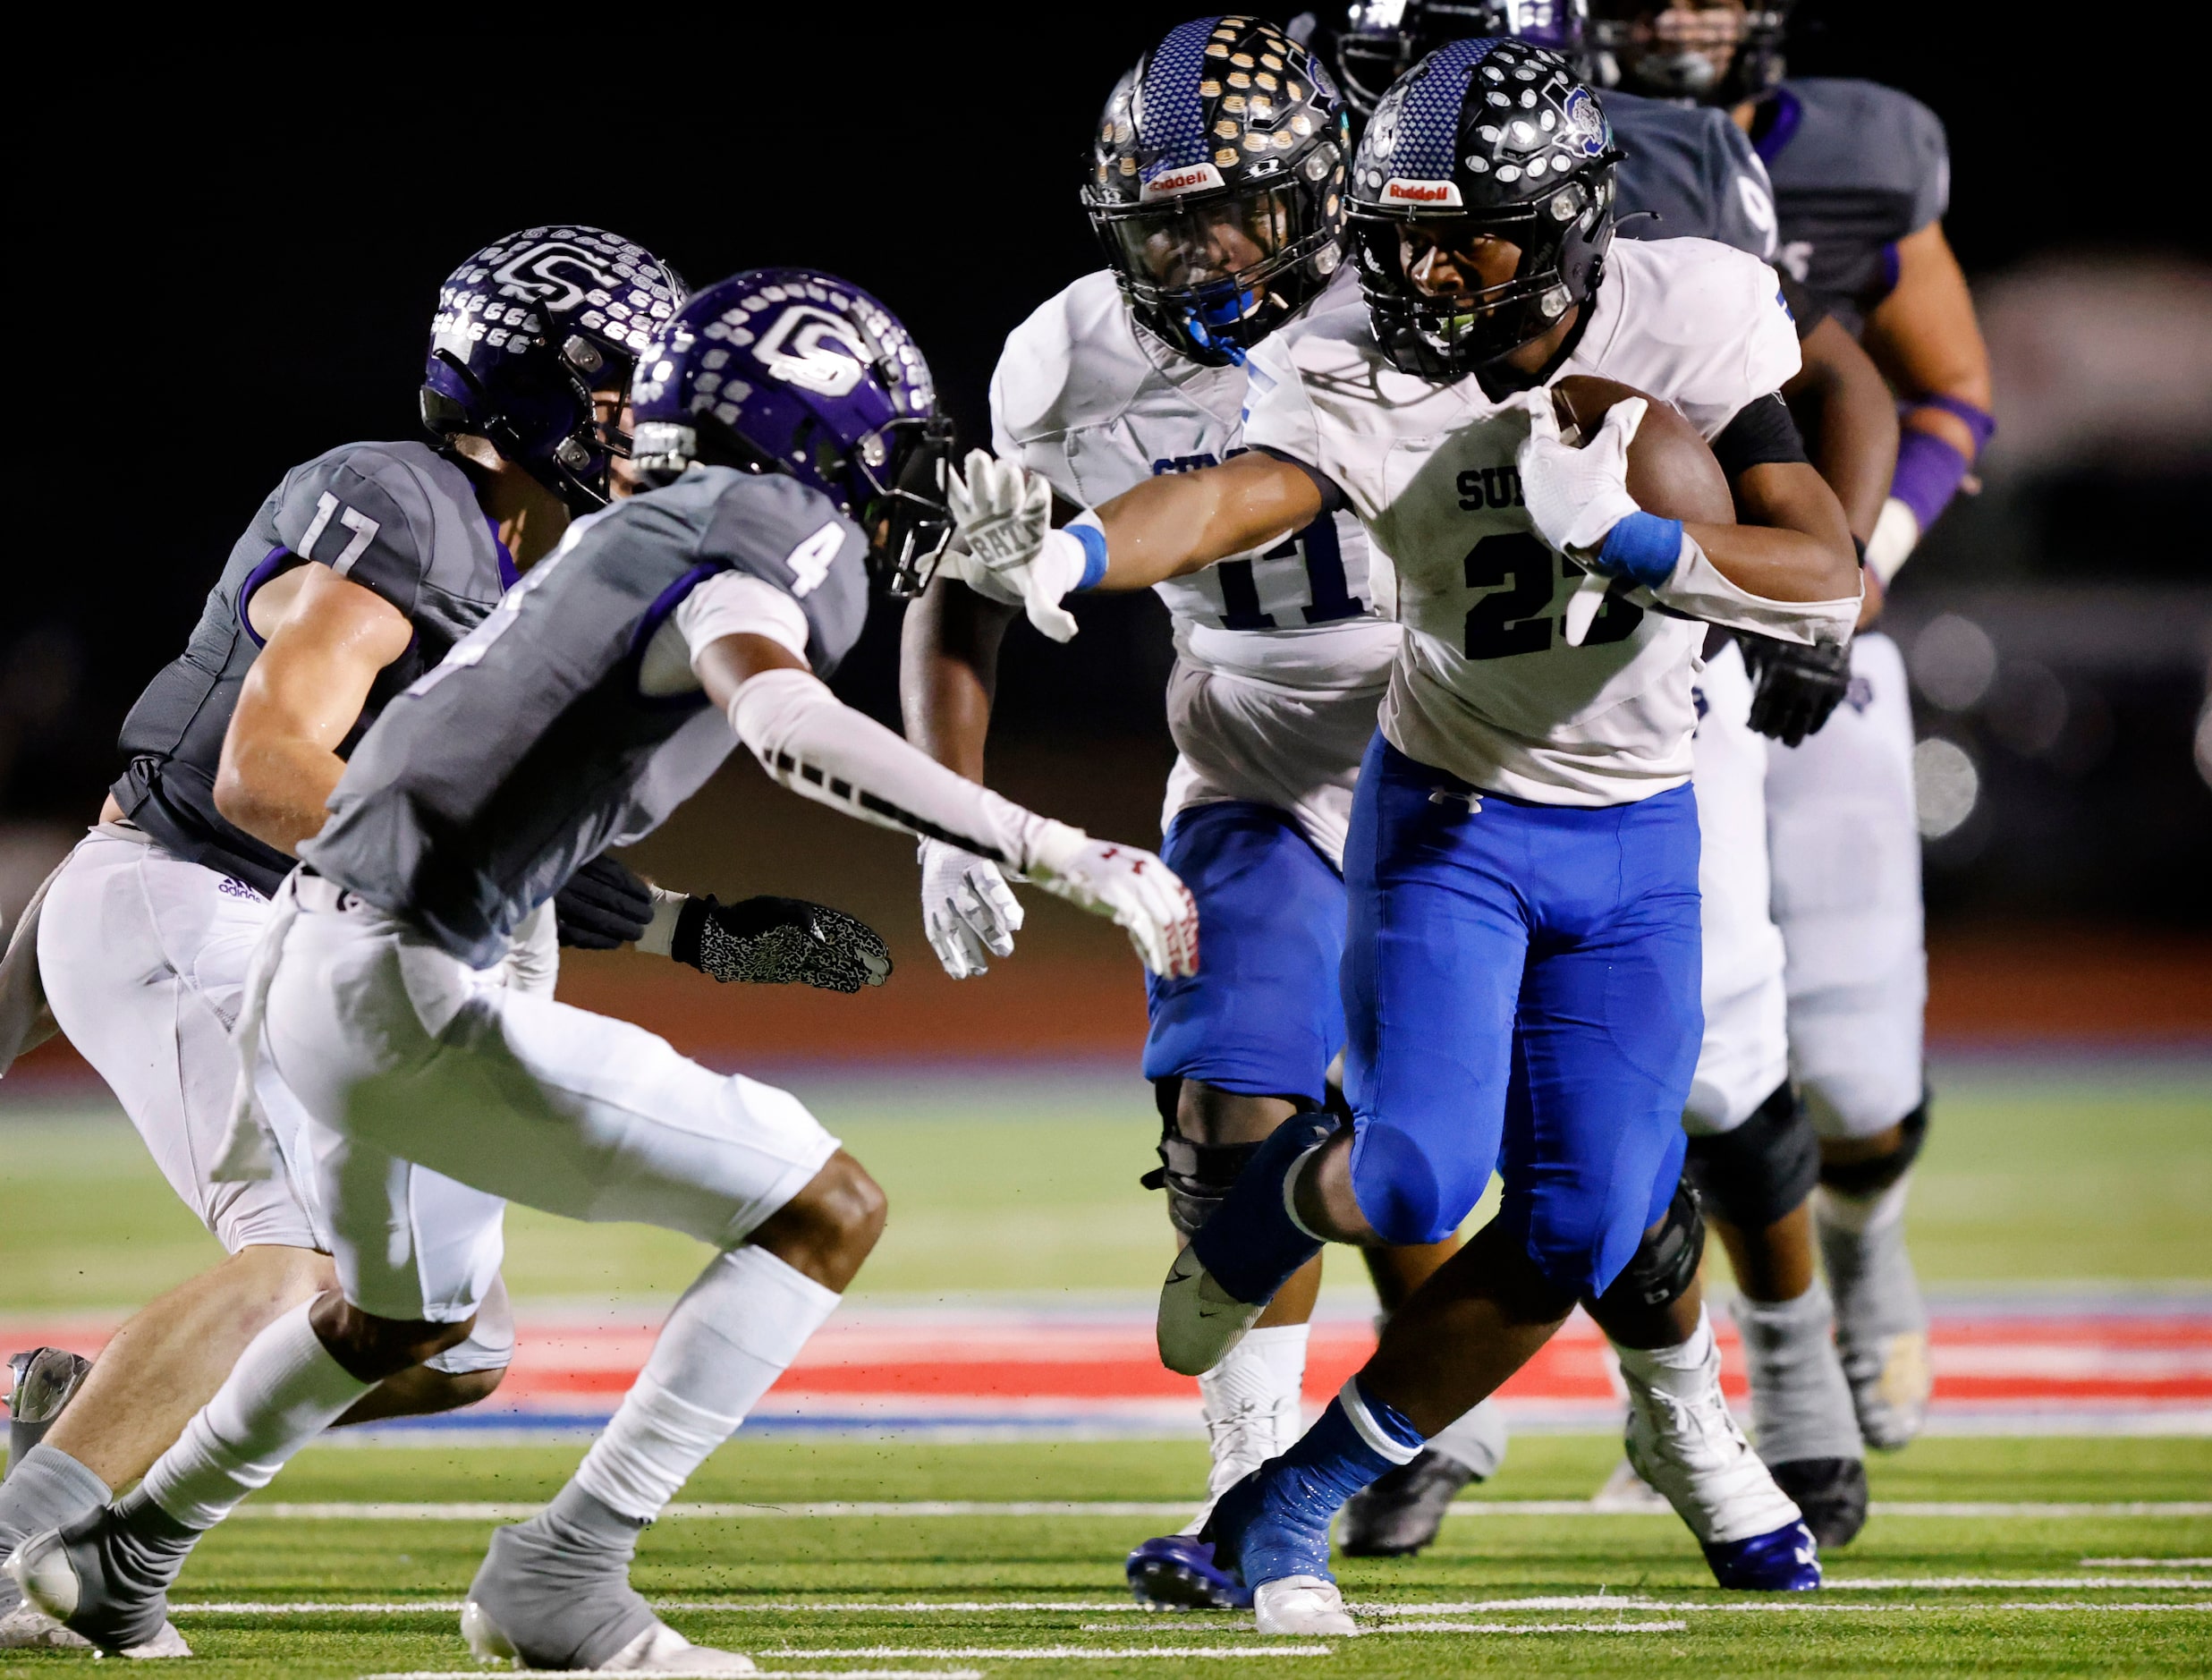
604, 904
773, 941
1796, 687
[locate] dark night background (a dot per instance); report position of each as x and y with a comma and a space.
227, 261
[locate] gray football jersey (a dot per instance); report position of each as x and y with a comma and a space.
1689, 174
399, 519
1855, 167
532, 749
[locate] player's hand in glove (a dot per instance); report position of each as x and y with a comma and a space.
1003, 546
605, 905
1576, 497
773, 941
1135, 890
1796, 688
967, 908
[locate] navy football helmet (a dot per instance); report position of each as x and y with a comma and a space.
794, 371
1716, 52
1216, 184
1481, 206
527, 329
1382, 39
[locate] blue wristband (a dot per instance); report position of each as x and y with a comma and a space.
1094, 555
1643, 546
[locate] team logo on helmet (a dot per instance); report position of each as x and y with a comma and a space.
814, 349
1584, 124
558, 275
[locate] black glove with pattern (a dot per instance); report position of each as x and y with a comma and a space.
605, 905
1795, 687
773, 941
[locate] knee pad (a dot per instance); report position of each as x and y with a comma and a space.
1665, 1262
1196, 1176
1763, 1169
1870, 1178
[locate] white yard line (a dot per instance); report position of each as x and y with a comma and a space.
761, 1674
1533, 1627
374, 1511
1062, 1653
2147, 1563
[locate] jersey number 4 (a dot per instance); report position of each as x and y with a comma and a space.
1514, 619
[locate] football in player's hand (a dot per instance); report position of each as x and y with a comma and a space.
1671, 472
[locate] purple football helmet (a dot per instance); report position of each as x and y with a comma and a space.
527, 329
794, 371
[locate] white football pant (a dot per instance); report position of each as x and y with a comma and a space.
413, 1065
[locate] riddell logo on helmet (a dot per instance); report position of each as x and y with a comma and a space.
1171, 183
1399, 190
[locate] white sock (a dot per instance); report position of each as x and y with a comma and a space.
1863, 1216
1664, 1367
284, 1391
738, 1324
1250, 1402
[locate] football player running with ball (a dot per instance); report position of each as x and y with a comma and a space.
1131, 372
1521, 968
1861, 178
793, 425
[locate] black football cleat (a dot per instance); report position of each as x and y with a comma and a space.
1398, 1514
1831, 1492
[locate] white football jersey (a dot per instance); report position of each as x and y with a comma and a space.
1096, 405
1485, 685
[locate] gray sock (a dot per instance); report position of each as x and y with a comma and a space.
558, 1585
1800, 1405
1862, 1242
126, 1558
48, 1490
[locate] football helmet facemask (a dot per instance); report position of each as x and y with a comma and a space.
796, 371
1481, 206
1382, 39
1217, 185
1716, 52
526, 330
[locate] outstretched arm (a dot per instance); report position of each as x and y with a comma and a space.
1184, 522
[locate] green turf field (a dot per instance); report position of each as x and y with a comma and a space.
2073, 1176
2077, 1177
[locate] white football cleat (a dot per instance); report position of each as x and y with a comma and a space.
1891, 1380
1200, 1321
659, 1649
1301, 1606
27, 1628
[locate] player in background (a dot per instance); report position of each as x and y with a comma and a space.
1136, 370
1690, 172
357, 574
1521, 962
785, 411
1861, 178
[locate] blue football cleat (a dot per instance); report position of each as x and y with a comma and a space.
1177, 1571
1784, 1561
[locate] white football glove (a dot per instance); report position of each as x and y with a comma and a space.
1141, 895
1003, 544
967, 908
1576, 497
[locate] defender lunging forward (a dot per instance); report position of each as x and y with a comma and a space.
622, 673
1521, 964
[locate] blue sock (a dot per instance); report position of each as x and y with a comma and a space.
1277, 1521
1252, 1244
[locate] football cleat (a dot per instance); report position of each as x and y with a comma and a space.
1177, 1571
1683, 1441
1398, 1515
1200, 1321
27, 1628
1891, 1381
61, 1572
1302, 1605
41, 1381
1831, 1493
658, 1650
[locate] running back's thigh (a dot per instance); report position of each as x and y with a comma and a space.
1745, 1053
143, 956
1433, 947
394, 1043
1607, 1033
1263, 1015
1846, 850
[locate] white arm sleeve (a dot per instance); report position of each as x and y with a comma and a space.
814, 744
1701, 589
